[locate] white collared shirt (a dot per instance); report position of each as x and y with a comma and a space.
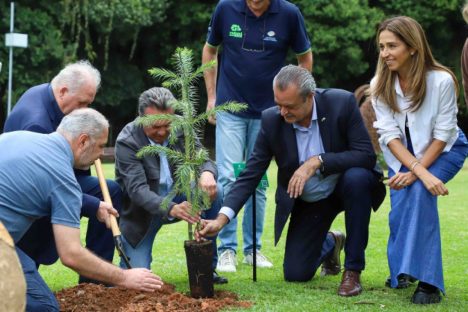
165, 176
436, 118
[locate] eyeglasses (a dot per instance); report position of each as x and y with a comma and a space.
246, 31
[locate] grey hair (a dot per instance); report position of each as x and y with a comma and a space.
83, 121
75, 75
298, 76
156, 97
465, 12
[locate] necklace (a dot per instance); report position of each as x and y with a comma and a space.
403, 85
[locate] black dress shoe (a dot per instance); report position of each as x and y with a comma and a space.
219, 279
332, 265
426, 294
404, 281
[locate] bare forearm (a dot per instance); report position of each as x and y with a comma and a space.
418, 167
401, 153
432, 153
78, 258
306, 61
87, 264
407, 159
210, 54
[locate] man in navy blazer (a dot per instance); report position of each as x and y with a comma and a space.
41, 109
325, 165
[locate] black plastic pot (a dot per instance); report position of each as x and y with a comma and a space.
199, 257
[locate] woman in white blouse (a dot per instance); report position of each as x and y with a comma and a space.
415, 101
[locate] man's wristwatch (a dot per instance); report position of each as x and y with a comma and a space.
322, 167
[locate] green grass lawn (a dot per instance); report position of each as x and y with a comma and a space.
272, 293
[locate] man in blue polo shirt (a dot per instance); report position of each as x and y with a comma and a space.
255, 36
40, 109
37, 180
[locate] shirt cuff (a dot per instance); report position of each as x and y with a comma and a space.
228, 212
386, 138
303, 52
215, 46
169, 217
90, 205
444, 135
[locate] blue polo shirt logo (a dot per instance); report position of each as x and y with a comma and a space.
236, 31
270, 36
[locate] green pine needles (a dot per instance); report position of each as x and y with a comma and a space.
187, 163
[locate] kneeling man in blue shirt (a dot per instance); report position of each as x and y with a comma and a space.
37, 180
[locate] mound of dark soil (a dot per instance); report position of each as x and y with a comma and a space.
97, 298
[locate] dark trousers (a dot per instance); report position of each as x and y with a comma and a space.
307, 242
39, 244
39, 298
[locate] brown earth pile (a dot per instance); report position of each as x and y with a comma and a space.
97, 298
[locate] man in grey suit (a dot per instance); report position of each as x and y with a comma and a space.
146, 181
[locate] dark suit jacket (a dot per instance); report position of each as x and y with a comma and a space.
139, 180
38, 111
345, 140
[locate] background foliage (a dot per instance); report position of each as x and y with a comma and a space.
123, 38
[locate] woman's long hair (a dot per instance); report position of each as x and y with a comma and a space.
411, 33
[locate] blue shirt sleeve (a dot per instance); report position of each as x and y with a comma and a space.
90, 205
66, 205
300, 42
90, 201
36, 128
214, 36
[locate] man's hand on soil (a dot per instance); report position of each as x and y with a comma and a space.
141, 279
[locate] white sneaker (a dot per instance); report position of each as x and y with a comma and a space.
262, 261
227, 261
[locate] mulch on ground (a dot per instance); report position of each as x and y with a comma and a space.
97, 298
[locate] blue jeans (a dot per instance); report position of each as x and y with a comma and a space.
141, 255
235, 141
38, 295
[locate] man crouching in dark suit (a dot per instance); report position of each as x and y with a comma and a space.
325, 165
